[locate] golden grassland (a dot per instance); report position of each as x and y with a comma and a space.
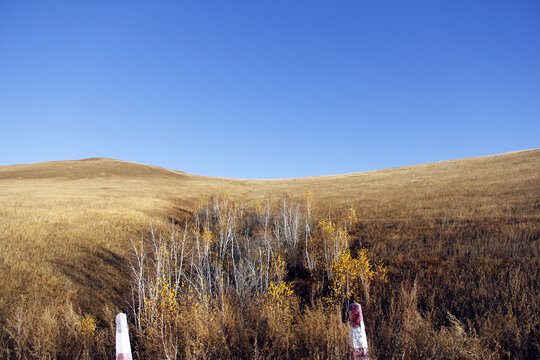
65, 226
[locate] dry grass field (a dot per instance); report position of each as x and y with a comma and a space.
65, 230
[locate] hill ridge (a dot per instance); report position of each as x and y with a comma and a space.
103, 160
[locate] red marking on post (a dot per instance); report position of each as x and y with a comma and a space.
355, 315
358, 354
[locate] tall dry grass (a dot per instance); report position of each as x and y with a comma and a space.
477, 277
224, 284
62, 251
452, 289
459, 240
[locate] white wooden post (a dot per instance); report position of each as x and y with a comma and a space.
123, 348
358, 346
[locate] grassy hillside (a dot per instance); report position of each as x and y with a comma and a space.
65, 226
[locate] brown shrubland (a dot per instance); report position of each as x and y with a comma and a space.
459, 244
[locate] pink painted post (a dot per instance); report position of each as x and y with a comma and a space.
123, 348
358, 346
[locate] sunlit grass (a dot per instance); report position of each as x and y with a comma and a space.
65, 226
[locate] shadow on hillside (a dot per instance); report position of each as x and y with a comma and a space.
100, 278
178, 213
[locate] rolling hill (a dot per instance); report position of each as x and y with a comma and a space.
65, 226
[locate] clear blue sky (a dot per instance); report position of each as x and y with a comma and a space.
268, 89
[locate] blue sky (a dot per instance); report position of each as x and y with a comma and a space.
268, 89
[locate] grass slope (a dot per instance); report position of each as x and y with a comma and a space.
65, 226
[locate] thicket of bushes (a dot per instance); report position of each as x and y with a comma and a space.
227, 284
264, 281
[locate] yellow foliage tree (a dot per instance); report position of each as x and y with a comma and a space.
280, 300
88, 326
333, 239
352, 277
